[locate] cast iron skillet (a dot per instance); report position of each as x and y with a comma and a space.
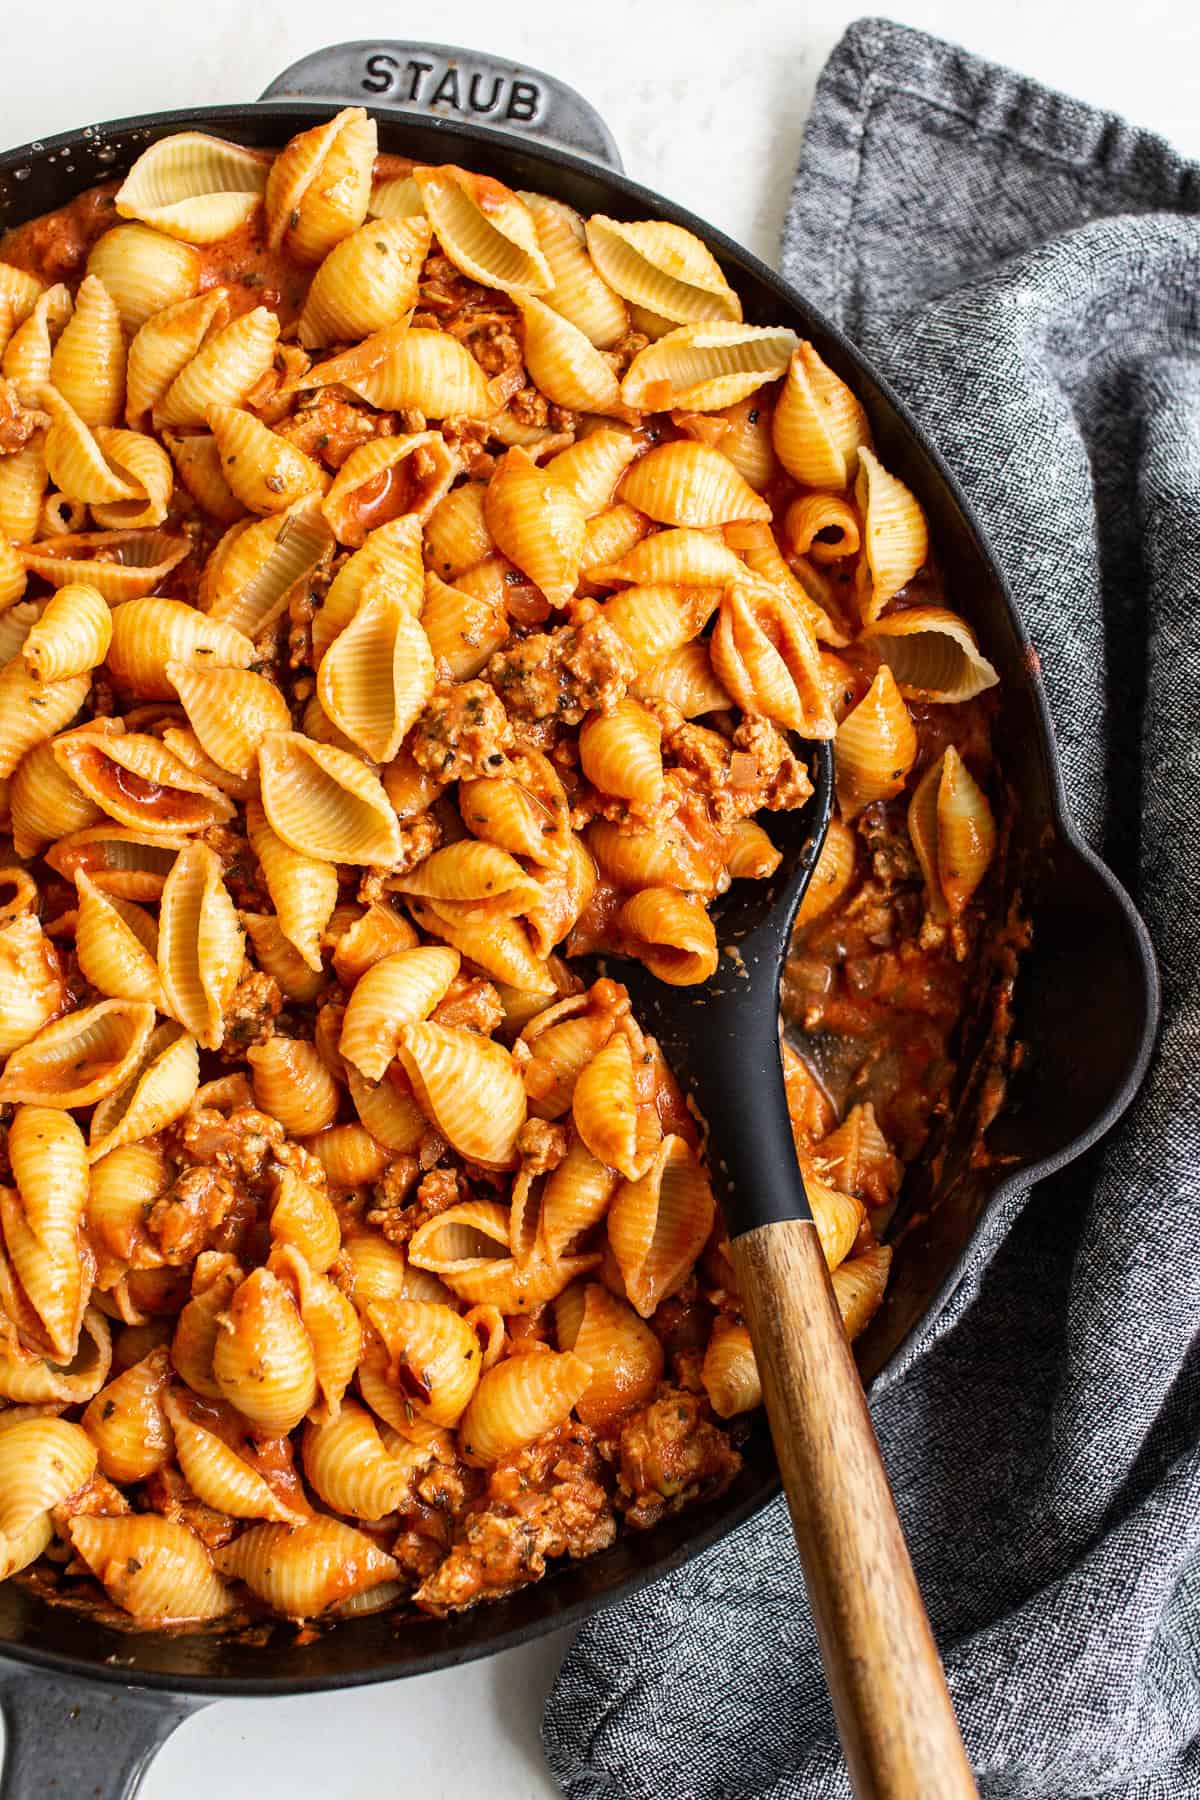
86, 1706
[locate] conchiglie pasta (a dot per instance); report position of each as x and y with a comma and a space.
127, 1423
259, 565
292, 1084
304, 1570
564, 363
368, 281
519, 1401
263, 471
661, 268
705, 367
620, 752
143, 270
953, 830
933, 655
262, 1358
765, 656
469, 1087
538, 523
426, 370
484, 229
671, 933
578, 292
158, 1090
351, 1470
658, 1224
222, 371
818, 423
730, 1373
325, 803
42, 1463
895, 535
155, 1569
199, 944
858, 1286
396, 992
875, 747
686, 483
71, 637
377, 676
194, 187
610, 1115
32, 989
623, 1354
319, 186
390, 477
150, 633
81, 1058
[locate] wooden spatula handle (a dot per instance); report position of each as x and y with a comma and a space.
894, 1715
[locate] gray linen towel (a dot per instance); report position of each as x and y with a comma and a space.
1027, 272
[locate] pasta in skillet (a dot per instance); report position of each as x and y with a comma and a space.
408, 587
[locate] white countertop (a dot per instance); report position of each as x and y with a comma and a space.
708, 103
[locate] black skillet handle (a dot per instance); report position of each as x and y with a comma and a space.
440, 81
80, 1738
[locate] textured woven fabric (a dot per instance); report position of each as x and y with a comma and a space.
1027, 272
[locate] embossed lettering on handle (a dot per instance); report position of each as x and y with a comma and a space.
440, 81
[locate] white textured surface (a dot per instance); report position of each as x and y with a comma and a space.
707, 99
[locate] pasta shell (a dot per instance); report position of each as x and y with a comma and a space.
685, 483
71, 637
263, 1359
387, 1108
433, 1357
88, 365
197, 1327
875, 747
664, 857
164, 346
592, 466
470, 1089
623, 1354
17, 1553
764, 655
730, 1373
933, 654
746, 441
123, 1187
292, 1084
620, 752
218, 1476
456, 534
230, 710
398, 991
29, 351
143, 270
18, 291
45, 802
386, 478
858, 1159
116, 944
858, 1287
672, 934
279, 959
654, 621
193, 186
609, 536
319, 186
303, 1216
81, 1058
426, 370
953, 832
367, 282
379, 932
127, 1423
519, 1401
155, 1569
376, 677
895, 535
121, 565
564, 364
680, 558
264, 471
198, 464
350, 1469
303, 889
684, 679
526, 813
256, 568
388, 565
42, 1463
578, 292
22, 484
41, 1227
151, 634
349, 1156
138, 782
332, 1325
822, 526
32, 711
837, 1217
762, 555
325, 803
499, 945
833, 874
229, 362
661, 267
484, 229
610, 1118
659, 1224
576, 1196
462, 631
818, 424
130, 864
30, 1381
302, 1571
538, 523
32, 989
199, 944
704, 367
469, 871
13, 577
395, 197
